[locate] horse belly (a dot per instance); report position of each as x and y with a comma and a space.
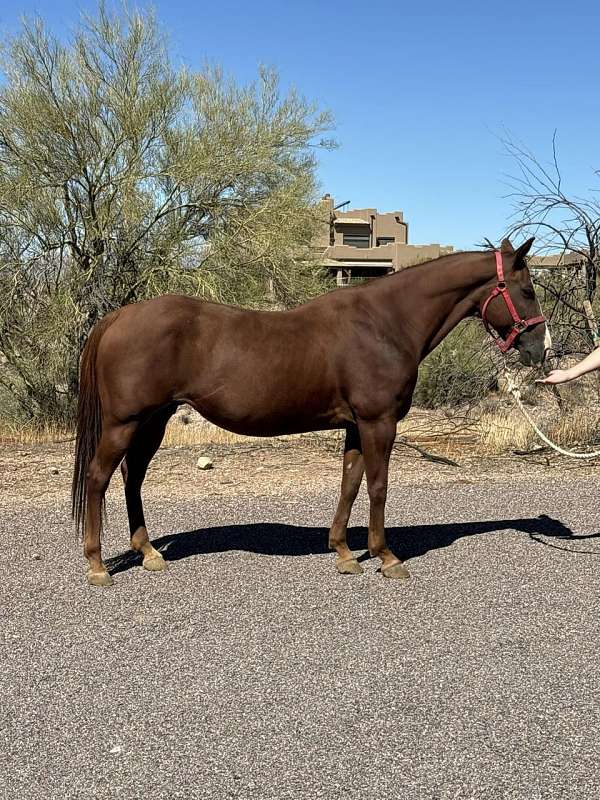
255, 405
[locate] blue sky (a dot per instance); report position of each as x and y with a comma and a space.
420, 92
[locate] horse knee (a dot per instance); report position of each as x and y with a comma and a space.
378, 493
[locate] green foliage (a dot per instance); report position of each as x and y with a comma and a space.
122, 177
459, 370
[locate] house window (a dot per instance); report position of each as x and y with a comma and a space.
385, 240
357, 239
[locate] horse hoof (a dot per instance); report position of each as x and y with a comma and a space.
154, 562
99, 579
348, 567
395, 571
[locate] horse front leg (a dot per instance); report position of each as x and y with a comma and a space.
377, 438
352, 475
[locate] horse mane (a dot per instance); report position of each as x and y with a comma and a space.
446, 257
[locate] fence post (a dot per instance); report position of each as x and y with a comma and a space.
591, 321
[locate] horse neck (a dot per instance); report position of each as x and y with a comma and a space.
426, 302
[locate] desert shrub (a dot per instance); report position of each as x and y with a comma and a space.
459, 371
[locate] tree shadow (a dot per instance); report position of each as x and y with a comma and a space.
296, 540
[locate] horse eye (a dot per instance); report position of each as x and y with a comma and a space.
529, 293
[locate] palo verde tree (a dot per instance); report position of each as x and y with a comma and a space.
122, 177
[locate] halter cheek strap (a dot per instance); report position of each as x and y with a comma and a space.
519, 324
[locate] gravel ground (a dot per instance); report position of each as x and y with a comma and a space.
251, 669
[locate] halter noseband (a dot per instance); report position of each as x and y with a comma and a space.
519, 325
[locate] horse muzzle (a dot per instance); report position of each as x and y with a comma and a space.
532, 347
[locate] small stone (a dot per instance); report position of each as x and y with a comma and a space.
204, 463
53, 471
116, 749
36, 557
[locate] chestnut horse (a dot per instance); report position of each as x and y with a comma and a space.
347, 359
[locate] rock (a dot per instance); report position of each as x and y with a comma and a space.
53, 471
204, 463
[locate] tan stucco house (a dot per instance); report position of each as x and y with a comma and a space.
362, 243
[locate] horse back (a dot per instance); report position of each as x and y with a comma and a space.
250, 371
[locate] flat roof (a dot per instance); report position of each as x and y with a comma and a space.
351, 221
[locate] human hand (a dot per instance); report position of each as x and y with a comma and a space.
557, 376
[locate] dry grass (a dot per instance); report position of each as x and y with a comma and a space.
179, 435
503, 430
423, 427
495, 431
577, 426
12, 433
202, 432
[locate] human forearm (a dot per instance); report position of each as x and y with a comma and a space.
587, 364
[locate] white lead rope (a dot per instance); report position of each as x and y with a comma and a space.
514, 390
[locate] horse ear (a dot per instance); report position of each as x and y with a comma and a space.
506, 246
522, 251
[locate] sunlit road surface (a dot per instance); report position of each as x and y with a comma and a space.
251, 669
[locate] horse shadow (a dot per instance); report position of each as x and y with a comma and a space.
274, 539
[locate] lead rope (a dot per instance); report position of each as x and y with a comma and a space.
516, 393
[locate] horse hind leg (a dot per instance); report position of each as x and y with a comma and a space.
351, 479
110, 450
133, 467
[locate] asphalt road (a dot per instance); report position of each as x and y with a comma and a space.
251, 669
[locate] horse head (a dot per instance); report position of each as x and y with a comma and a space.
512, 309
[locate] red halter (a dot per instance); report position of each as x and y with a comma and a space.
519, 325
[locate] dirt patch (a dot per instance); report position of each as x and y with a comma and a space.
278, 467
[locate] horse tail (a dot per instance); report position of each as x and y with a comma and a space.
89, 419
